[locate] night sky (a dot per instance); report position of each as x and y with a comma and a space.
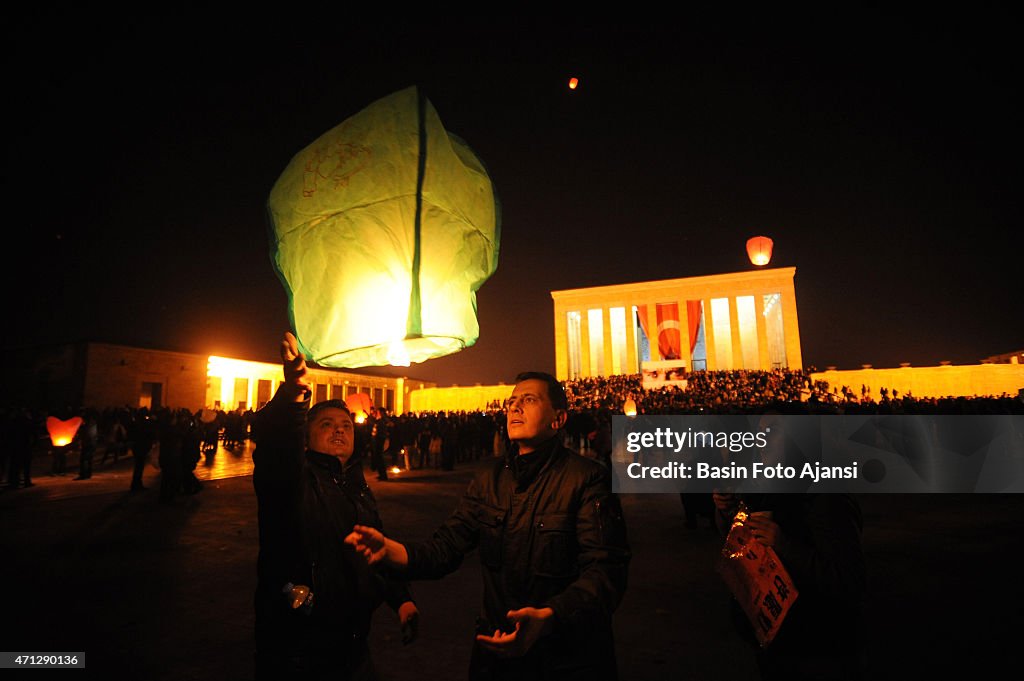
881, 154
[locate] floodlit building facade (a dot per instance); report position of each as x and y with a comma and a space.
104, 375
739, 320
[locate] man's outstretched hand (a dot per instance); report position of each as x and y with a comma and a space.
372, 545
294, 364
368, 542
531, 624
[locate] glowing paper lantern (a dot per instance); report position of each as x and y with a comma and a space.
62, 432
629, 407
759, 249
382, 231
573, 82
207, 415
359, 404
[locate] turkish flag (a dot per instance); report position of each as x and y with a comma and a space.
668, 330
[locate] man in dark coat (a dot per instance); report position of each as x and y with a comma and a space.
552, 545
314, 597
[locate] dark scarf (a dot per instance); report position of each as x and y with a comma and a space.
525, 467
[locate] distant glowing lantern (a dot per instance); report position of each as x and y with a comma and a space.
629, 407
394, 470
360, 406
573, 82
382, 231
759, 248
62, 432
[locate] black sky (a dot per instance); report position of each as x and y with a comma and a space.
881, 153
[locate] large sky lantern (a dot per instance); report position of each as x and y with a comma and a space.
759, 249
62, 433
382, 231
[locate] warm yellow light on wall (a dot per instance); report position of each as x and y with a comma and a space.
62, 432
225, 367
759, 249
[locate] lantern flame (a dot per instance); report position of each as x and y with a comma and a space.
62, 432
398, 356
573, 82
394, 470
759, 249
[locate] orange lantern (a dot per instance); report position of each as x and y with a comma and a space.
573, 82
359, 404
629, 407
759, 248
62, 432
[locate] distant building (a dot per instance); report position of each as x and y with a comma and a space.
739, 320
1007, 358
102, 375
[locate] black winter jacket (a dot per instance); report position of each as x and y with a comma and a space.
554, 538
307, 504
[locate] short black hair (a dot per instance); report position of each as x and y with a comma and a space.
327, 404
556, 393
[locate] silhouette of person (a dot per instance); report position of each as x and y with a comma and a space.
88, 441
171, 437
22, 441
142, 433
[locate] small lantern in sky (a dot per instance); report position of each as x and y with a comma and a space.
62, 432
759, 249
381, 231
574, 83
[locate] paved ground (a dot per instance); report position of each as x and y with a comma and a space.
164, 591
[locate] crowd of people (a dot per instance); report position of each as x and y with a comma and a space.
179, 437
442, 439
544, 610
786, 390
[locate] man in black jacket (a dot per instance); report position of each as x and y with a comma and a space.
314, 598
552, 543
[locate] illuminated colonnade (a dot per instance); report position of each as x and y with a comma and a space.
740, 320
235, 383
